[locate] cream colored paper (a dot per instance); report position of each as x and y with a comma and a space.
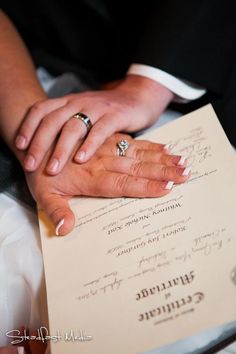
136, 274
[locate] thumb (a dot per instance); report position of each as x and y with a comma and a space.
57, 209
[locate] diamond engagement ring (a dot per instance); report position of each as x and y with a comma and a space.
122, 147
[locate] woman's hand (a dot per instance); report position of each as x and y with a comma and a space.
147, 170
130, 105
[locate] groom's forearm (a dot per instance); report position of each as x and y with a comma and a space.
19, 86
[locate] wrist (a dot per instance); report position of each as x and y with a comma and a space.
148, 91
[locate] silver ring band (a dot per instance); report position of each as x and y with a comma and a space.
122, 147
85, 119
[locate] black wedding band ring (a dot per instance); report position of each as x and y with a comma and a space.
85, 119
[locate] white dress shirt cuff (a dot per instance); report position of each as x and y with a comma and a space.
185, 91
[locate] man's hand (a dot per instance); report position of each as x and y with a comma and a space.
146, 171
128, 106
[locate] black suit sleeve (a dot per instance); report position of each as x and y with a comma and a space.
195, 41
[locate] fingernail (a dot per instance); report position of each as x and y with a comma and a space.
59, 225
167, 146
20, 141
29, 162
186, 171
169, 185
53, 166
21, 350
80, 156
181, 161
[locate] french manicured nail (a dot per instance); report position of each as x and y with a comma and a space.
59, 225
21, 350
181, 161
29, 162
20, 141
169, 185
53, 166
186, 171
80, 156
167, 146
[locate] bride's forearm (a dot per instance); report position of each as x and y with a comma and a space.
19, 86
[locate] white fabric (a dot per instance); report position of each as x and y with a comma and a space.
46, 79
184, 90
21, 268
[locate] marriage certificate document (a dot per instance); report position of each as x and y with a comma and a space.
137, 274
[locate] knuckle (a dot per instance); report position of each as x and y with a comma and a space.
149, 188
165, 172
35, 149
49, 123
148, 144
60, 154
54, 212
26, 130
71, 126
120, 182
166, 159
176, 171
37, 107
96, 136
139, 154
136, 168
114, 138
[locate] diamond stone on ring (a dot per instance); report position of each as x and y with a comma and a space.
85, 119
122, 147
